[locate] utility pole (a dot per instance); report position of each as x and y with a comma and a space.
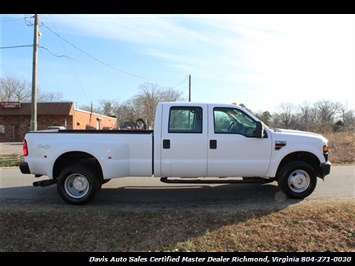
34, 77
190, 88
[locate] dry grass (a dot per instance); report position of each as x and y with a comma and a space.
323, 227
341, 147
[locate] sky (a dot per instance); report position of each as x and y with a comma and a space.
260, 60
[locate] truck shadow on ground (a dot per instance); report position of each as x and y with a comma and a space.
168, 197
172, 197
143, 218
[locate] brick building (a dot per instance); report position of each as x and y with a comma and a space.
15, 119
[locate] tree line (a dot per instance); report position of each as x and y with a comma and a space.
13, 89
323, 115
141, 106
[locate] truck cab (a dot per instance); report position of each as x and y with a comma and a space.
200, 140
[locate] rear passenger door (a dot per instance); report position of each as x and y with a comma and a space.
184, 141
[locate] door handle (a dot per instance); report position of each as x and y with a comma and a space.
213, 144
166, 144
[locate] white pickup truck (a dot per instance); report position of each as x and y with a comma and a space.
190, 141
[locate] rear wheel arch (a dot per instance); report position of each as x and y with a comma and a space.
76, 158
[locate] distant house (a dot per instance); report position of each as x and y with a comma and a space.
15, 119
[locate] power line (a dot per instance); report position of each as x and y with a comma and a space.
17, 46
95, 66
28, 22
93, 57
98, 60
77, 60
180, 82
71, 65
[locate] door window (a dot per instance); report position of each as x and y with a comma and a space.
185, 120
233, 121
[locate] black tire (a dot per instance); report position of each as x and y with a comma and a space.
78, 184
297, 179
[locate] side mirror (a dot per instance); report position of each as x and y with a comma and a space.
259, 130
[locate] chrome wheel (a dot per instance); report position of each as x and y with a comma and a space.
299, 181
76, 185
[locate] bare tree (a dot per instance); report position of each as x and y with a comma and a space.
146, 101
264, 116
349, 118
49, 96
13, 89
143, 105
90, 108
16, 90
108, 107
125, 112
327, 110
246, 108
286, 117
306, 116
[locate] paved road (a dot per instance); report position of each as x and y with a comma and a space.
148, 193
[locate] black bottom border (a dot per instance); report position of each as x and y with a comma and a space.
94, 258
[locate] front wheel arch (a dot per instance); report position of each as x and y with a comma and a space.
78, 184
297, 179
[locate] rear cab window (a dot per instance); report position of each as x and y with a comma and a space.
185, 119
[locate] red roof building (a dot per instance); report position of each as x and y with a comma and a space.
15, 119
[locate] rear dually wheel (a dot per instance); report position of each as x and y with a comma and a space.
78, 184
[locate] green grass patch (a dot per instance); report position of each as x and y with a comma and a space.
11, 160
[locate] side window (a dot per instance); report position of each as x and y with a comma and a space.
233, 121
2, 129
221, 121
185, 120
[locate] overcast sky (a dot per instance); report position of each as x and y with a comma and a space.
260, 60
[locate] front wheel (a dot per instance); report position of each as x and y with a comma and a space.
297, 179
78, 184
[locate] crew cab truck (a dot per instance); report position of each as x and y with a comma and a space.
190, 141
